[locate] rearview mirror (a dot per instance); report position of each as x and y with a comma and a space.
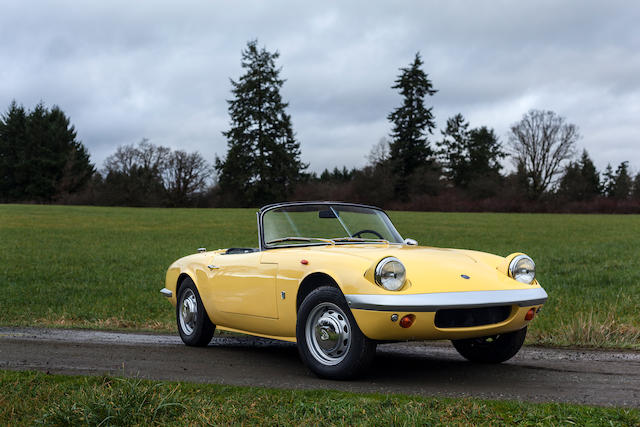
410, 242
326, 214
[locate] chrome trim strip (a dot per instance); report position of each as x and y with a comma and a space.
166, 292
441, 300
260, 233
314, 202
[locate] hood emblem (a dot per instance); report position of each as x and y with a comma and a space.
464, 276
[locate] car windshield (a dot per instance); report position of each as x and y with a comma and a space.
326, 224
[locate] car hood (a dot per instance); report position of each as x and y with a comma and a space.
432, 269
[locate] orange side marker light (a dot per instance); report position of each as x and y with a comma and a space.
530, 314
407, 320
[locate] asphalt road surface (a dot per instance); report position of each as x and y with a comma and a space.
540, 375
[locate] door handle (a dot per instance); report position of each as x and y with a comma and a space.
213, 267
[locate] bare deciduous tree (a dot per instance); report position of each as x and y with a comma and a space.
541, 142
379, 153
151, 156
186, 174
152, 175
146, 155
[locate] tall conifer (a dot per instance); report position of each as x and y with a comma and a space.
263, 158
40, 156
13, 131
412, 121
453, 150
622, 183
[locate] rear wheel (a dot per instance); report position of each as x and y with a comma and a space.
194, 325
329, 340
491, 349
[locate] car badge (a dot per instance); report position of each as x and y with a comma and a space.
464, 276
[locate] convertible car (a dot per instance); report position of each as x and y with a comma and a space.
337, 278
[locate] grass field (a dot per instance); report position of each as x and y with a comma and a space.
98, 267
28, 398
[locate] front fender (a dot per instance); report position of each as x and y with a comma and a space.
190, 266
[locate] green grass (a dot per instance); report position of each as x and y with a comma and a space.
28, 398
103, 267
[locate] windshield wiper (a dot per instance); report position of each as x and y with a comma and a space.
300, 239
359, 239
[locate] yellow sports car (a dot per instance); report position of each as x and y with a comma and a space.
337, 278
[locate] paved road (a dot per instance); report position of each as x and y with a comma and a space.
535, 374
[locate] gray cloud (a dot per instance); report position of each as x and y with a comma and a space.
128, 70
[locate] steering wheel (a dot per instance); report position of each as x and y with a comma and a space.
361, 232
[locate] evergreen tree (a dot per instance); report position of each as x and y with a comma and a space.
608, 181
13, 134
581, 180
409, 148
622, 182
470, 155
571, 182
73, 169
337, 175
41, 157
453, 150
485, 152
263, 158
635, 194
590, 177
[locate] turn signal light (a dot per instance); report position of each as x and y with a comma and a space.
407, 320
530, 314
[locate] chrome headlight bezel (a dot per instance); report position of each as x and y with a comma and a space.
399, 278
521, 274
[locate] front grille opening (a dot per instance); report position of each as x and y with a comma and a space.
467, 317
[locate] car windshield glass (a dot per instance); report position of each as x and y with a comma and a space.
314, 224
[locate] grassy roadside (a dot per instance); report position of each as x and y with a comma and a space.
94, 267
28, 397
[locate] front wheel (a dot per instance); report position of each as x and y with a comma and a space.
194, 325
329, 340
491, 349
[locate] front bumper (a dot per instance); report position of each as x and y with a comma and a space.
442, 300
373, 312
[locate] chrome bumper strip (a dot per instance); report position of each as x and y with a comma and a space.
166, 292
442, 300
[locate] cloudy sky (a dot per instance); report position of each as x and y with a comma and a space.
126, 70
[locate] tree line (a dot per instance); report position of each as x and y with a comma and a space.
41, 161
415, 167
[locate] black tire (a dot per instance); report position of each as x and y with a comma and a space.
194, 327
491, 349
335, 347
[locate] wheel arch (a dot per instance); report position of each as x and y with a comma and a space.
181, 278
314, 281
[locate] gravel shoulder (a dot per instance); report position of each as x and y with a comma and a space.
593, 377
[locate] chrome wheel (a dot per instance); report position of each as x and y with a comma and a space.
188, 312
328, 333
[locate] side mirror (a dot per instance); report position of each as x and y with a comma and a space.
410, 242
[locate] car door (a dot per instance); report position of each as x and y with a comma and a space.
242, 284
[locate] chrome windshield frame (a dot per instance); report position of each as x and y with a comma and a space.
263, 210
